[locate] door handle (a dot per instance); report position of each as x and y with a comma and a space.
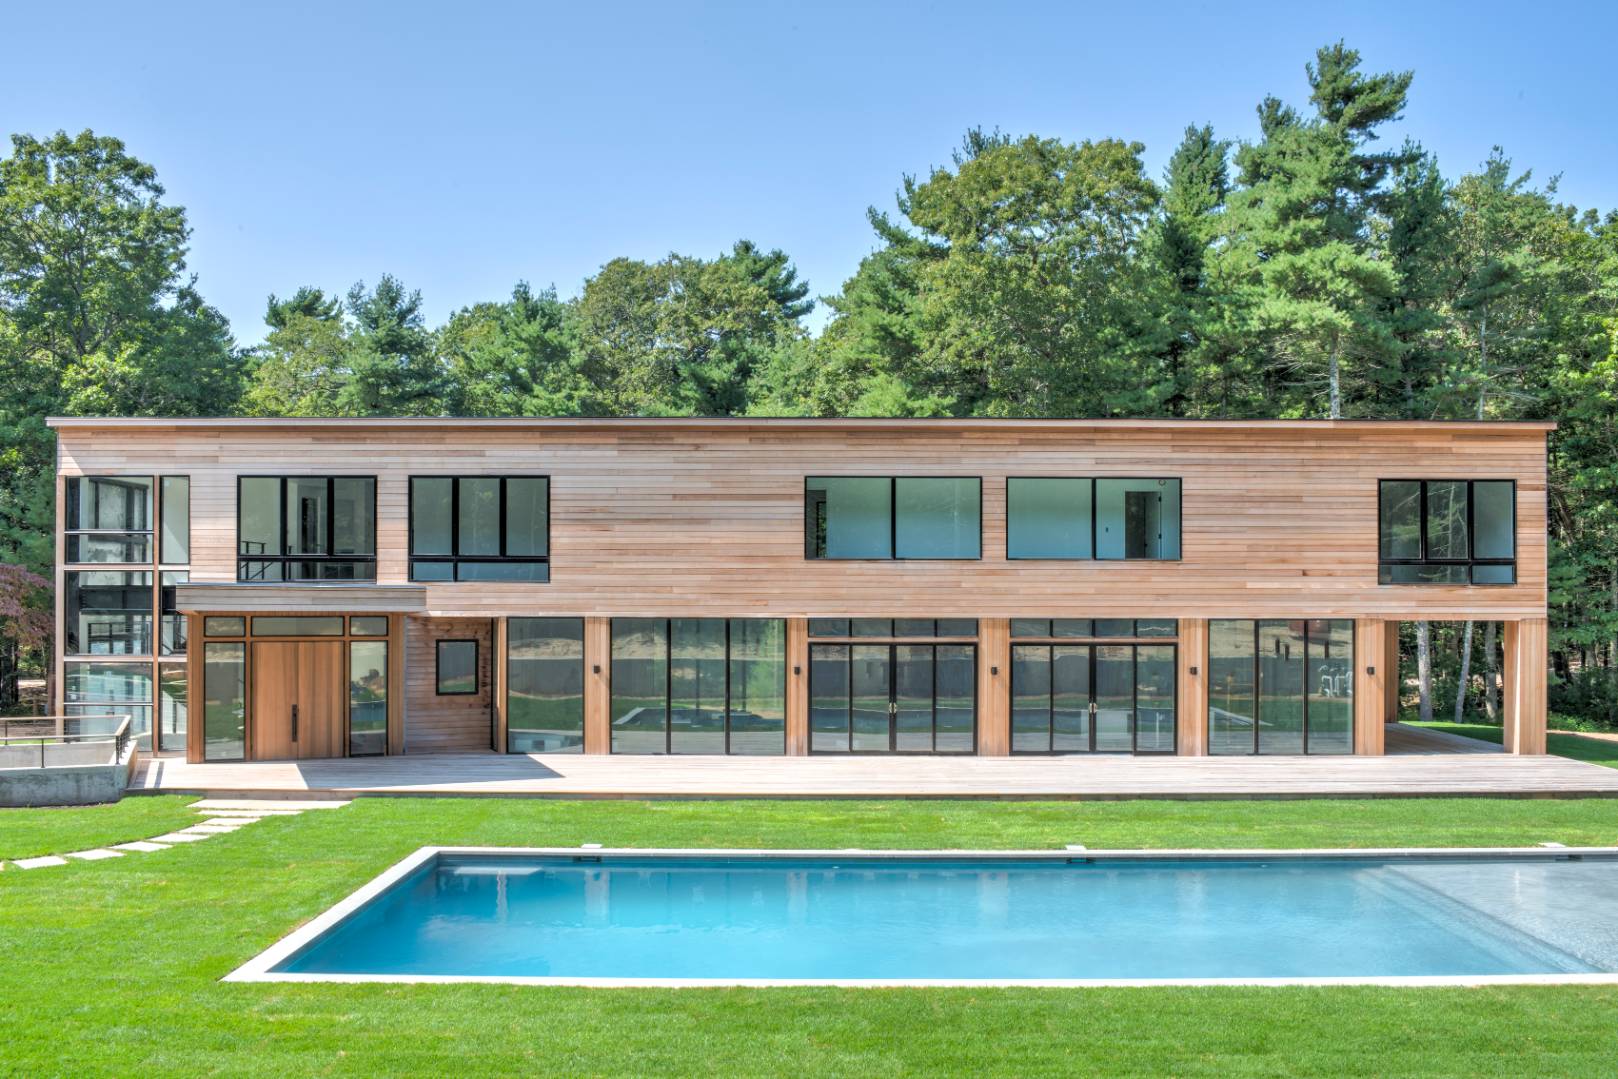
294, 723
1093, 708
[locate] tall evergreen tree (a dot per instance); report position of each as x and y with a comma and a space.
1300, 230
1194, 192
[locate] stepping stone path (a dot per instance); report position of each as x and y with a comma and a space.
220, 816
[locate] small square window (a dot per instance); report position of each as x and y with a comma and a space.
368, 625
457, 668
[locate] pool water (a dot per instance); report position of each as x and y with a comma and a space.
850, 920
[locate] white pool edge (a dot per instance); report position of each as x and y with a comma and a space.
260, 968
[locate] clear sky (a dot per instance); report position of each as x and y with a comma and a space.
464, 146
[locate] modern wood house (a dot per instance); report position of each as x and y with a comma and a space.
256, 589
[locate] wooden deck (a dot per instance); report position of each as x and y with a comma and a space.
1407, 774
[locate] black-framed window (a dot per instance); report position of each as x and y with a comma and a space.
480, 528
457, 668
699, 685
885, 518
868, 697
1076, 518
545, 685
1281, 686
1094, 627
1093, 698
1447, 532
893, 627
108, 519
306, 528
107, 612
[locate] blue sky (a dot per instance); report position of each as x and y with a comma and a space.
465, 146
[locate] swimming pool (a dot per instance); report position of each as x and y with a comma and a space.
1039, 918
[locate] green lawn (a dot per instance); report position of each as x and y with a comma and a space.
112, 968
25, 833
1581, 748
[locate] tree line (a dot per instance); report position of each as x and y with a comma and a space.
1314, 271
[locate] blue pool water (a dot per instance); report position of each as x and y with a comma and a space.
849, 920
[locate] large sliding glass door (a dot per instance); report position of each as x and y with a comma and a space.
1281, 686
1092, 698
698, 685
892, 698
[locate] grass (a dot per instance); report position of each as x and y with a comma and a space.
112, 968
1595, 750
25, 833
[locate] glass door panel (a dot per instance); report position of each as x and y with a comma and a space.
1070, 698
828, 698
1331, 686
955, 706
1030, 698
1114, 698
1154, 699
913, 698
1280, 687
1231, 710
871, 690
697, 685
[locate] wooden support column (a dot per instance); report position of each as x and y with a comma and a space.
1191, 722
1391, 684
193, 688
1525, 677
994, 687
598, 685
1370, 679
498, 697
797, 687
398, 695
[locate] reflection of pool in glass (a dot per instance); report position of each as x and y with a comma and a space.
851, 919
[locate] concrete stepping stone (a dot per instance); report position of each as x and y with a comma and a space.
38, 863
179, 837
95, 855
144, 845
264, 804
209, 829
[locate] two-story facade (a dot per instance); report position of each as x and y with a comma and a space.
256, 589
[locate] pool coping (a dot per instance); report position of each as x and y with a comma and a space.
260, 968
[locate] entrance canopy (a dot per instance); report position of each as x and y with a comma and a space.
199, 597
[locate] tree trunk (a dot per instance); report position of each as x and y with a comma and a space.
1424, 670
1466, 671
1491, 675
1335, 375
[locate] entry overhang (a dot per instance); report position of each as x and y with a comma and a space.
202, 597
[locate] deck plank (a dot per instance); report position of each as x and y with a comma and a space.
1075, 777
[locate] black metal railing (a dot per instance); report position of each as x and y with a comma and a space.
56, 733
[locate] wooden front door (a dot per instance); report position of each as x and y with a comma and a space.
297, 700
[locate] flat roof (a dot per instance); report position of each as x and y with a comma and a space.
784, 422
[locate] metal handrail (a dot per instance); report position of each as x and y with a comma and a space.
118, 738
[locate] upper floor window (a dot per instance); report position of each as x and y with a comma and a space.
1447, 532
109, 519
1056, 517
886, 517
480, 528
306, 528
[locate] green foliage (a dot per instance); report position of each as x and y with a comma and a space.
684, 336
1310, 272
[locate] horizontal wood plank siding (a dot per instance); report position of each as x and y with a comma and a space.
452, 724
707, 520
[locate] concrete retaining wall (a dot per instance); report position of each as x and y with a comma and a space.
68, 784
